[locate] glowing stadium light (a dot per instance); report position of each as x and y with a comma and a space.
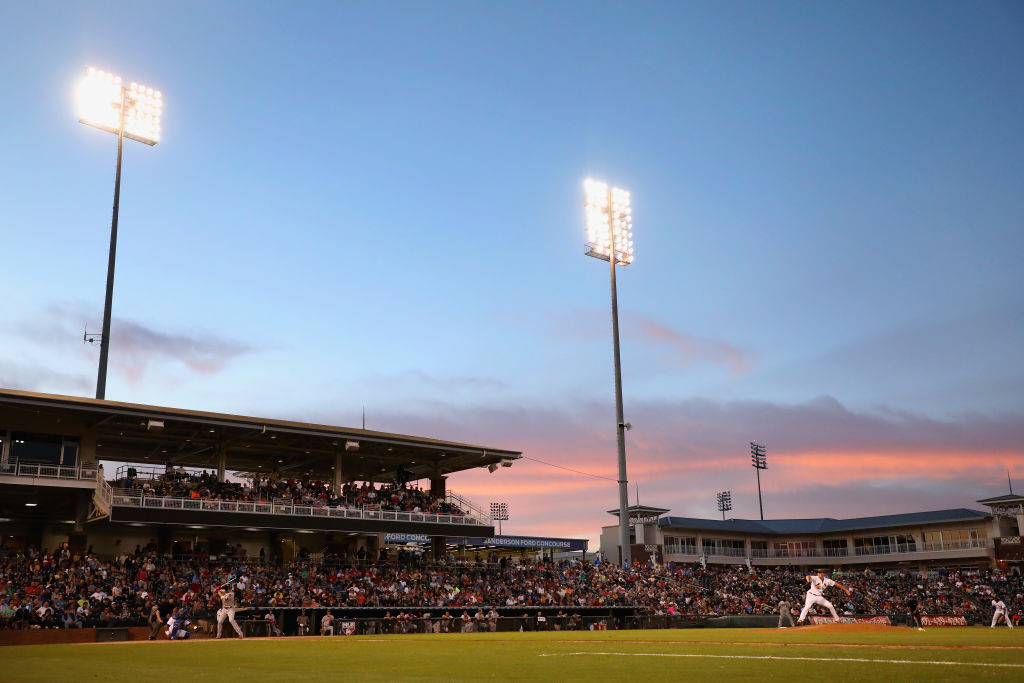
609, 224
609, 221
105, 103
133, 112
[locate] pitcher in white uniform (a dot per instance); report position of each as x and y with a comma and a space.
815, 595
1001, 613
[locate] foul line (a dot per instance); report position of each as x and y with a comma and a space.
805, 659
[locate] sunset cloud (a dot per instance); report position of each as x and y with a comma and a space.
824, 460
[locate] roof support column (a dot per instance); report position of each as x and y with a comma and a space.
222, 461
437, 486
336, 485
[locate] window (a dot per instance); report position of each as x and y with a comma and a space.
759, 548
835, 547
69, 455
680, 545
883, 545
794, 548
36, 448
722, 546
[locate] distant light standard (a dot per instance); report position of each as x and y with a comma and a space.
609, 220
131, 112
499, 512
760, 462
724, 502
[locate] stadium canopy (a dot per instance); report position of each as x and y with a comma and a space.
157, 436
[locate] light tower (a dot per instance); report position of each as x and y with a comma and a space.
609, 221
724, 502
760, 462
499, 513
133, 112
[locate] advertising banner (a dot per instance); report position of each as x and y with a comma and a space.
942, 620
881, 620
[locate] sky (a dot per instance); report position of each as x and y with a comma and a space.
379, 206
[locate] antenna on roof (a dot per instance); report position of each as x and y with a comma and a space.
637, 484
364, 418
1009, 481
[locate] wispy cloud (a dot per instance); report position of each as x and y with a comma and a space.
674, 348
30, 377
135, 347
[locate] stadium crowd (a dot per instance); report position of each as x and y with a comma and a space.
40, 589
180, 483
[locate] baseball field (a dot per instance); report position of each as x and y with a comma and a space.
840, 652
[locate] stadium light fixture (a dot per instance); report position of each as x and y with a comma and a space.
499, 513
609, 223
759, 460
724, 502
132, 111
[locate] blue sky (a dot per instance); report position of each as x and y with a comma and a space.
380, 204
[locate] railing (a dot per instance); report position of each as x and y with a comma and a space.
103, 496
957, 545
124, 497
770, 553
680, 549
469, 506
41, 471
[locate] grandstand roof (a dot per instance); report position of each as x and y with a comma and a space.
155, 435
776, 527
1005, 498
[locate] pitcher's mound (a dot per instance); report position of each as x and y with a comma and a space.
848, 628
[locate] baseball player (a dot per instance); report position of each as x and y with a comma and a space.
1001, 612
327, 624
785, 612
815, 597
227, 611
915, 613
303, 623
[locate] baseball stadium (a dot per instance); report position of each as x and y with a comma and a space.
412, 216
322, 549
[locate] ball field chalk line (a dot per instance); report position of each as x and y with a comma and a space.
776, 657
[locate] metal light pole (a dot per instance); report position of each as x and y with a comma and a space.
760, 462
724, 502
499, 512
610, 237
133, 112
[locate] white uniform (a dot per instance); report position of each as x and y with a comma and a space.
815, 597
1001, 612
227, 611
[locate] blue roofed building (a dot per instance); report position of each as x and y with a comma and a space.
958, 537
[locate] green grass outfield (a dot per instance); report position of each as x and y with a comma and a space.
808, 654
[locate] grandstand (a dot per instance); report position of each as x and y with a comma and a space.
110, 509
110, 476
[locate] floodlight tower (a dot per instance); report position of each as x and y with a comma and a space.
132, 112
609, 218
724, 502
499, 513
759, 460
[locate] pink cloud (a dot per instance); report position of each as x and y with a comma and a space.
824, 460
